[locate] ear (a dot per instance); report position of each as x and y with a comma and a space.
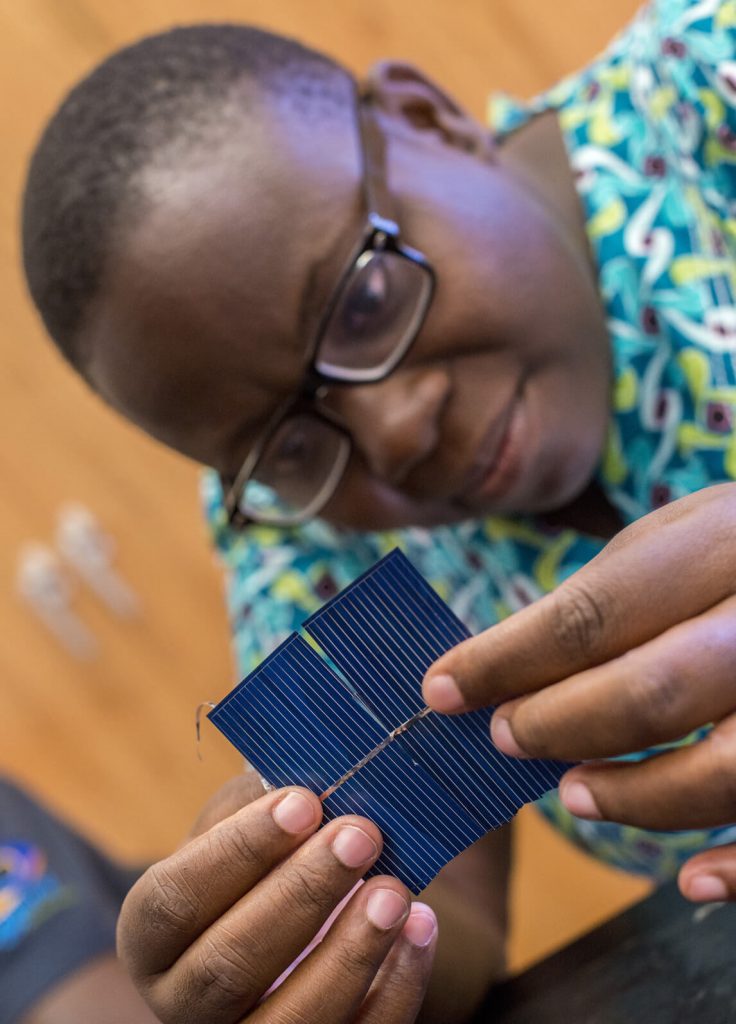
404, 92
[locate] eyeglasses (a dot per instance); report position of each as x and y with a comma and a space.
369, 325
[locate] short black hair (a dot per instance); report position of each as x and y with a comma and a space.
174, 87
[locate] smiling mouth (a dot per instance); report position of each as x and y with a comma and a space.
495, 466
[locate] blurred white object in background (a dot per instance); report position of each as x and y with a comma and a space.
47, 587
90, 551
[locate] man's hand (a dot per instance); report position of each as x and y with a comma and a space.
636, 649
206, 932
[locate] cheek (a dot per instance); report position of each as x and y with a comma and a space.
364, 503
508, 276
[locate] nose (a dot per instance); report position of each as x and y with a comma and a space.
395, 424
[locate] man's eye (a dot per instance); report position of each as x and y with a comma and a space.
367, 303
293, 450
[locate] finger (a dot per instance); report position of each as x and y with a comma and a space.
227, 970
622, 598
398, 991
334, 981
654, 694
710, 877
178, 898
691, 787
237, 792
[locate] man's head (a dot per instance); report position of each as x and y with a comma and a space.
187, 217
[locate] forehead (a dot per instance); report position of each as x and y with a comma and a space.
205, 317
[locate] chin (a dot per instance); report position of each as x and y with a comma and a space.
557, 491
421, 516
544, 491
390, 510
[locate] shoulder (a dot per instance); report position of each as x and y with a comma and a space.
691, 47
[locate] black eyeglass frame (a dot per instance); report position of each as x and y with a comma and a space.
381, 234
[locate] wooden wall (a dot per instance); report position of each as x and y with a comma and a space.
110, 742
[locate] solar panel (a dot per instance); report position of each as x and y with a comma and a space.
288, 718
361, 737
423, 827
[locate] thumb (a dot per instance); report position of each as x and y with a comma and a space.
565, 632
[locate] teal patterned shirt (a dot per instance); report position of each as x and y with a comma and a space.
650, 128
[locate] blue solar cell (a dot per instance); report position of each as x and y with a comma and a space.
435, 787
423, 827
491, 787
383, 632
295, 721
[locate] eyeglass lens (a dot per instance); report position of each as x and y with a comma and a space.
297, 470
368, 331
374, 318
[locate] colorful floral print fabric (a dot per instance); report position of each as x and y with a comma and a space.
651, 133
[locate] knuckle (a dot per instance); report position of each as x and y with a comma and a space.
655, 694
355, 961
578, 618
170, 903
306, 889
230, 848
620, 540
226, 969
531, 727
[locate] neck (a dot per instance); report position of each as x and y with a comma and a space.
589, 513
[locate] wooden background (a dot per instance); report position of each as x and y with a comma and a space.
110, 743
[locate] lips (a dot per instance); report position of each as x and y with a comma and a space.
488, 452
498, 467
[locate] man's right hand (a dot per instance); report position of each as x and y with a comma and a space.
206, 932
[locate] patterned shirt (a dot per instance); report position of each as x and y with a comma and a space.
650, 128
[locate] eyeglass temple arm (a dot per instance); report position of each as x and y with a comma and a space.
378, 199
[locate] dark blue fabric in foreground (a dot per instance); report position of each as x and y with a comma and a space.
434, 788
59, 902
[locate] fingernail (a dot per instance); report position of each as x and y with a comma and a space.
707, 889
503, 737
579, 801
294, 813
354, 847
421, 926
385, 908
443, 694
